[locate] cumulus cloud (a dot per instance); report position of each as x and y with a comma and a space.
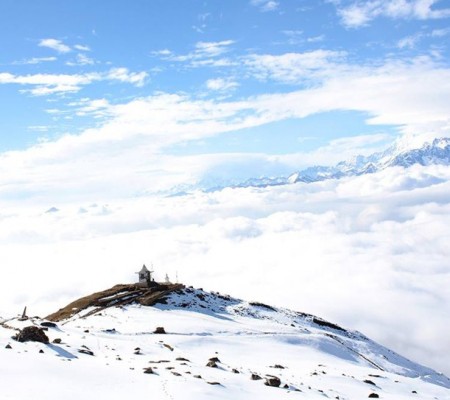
56, 45
361, 13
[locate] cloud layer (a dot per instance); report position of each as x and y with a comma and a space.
370, 253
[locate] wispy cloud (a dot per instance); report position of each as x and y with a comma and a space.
82, 47
35, 60
265, 5
204, 54
295, 67
56, 45
81, 59
221, 84
359, 13
46, 84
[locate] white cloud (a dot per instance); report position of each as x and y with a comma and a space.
81, 47
81, 59
46, 84
409, 41
124, 75
55, 44
221, 84
265, 5
36, 60
295, 67
360, 13
204, 54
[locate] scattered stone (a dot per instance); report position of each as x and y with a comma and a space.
212, 364
41, 351
176, 373
214, 383
86, 331
197, 376
255, 377
148, 370
286, 386
415, 392
159, 330
368, 381
215, 359
169, 368
49, 324
181, 359
168, 346
235, 371
86, 351
137, 351
57, 341
373, 396
32, 334
273, 381
277, 366
8, 346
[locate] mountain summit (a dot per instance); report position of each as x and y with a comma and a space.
436, 152
177, 342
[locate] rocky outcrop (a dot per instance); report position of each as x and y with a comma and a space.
32, 334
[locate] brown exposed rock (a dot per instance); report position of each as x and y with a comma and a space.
159, 330
255, 377
57, 341
32, 334
148, 370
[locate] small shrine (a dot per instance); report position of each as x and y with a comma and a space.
145, 277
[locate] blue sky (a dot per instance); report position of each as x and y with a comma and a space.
213, 80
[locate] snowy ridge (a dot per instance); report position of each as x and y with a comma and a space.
436, 152
215, 346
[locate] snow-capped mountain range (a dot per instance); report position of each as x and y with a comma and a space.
436, 152
186, 343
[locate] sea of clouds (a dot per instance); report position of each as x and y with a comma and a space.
370, 253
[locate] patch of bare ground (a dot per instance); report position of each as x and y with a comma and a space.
118, 295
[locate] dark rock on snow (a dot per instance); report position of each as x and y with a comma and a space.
32, 334
272, 381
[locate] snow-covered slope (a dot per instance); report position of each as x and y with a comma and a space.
437, 152
241, 341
